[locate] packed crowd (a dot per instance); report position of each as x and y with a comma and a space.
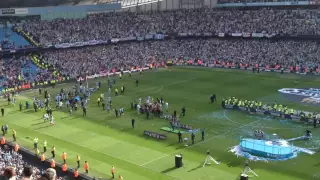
91, 60
13, 165
17, 71
105, 26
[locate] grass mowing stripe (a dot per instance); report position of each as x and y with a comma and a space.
89, 148
213, 137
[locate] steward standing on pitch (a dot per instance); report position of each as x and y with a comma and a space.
35, 143
132, 123
192, 137
202, 135
53, 151
44, 146
14, 133
78, 160
112, 172
183, 111
86, 166
180, 137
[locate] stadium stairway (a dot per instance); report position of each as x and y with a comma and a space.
11, 36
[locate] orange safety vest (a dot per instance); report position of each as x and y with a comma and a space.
86, 166
16, 147
53, 164
3, 141
64, 167
64, 156
76, 173
42, 157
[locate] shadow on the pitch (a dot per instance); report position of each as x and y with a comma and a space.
37, 119
317, 165
181, 147
37, 123
168, 170
42, 127
126, 129
234, 164
200, 165
171, 144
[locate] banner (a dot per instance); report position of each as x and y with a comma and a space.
104, 74
221, 34
257, 35
12, 11
128, 38
236, 34
140, 38
148, 36
114, 40
21, 11
80, 44
182, 34
159, 36
246, 34
8, 11
155, 135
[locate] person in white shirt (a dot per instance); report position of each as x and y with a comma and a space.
45, 117
138, 108
166, 106
51, 120
121, 111
60, 104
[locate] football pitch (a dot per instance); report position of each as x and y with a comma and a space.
105, 141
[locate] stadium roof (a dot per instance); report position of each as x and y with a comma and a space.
41, 3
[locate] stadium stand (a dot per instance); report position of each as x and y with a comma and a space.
16, 72
11, 40
105, 26
263, 52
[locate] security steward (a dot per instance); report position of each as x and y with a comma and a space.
179, 137
45, 146
53, 151
76, 174
78, 160
132, 122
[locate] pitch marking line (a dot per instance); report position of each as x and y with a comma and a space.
265, 127
224, 114
160, 87
213, 137
91, 149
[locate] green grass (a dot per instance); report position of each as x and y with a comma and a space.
104, 140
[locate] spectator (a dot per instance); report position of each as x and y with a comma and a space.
104, 26
50, 174
27, 173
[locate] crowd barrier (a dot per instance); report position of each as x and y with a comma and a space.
210, 64
32, 159
158, 36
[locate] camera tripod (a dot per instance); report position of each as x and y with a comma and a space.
247, 170
208, 159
